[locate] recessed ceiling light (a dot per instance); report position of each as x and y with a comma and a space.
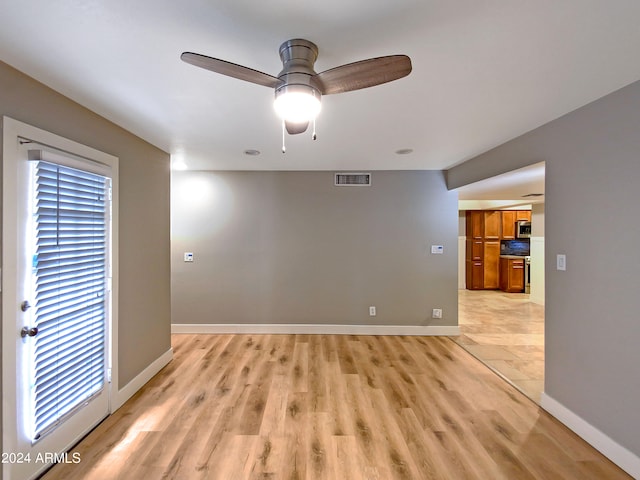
404, 151
252, 152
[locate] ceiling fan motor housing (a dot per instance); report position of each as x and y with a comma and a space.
297, 75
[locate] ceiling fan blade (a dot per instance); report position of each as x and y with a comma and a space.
363, 74
230, 69
295, 128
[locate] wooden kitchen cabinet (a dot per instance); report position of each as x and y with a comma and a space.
491, 263
475, 275
474, 265
475, 224
509, 224
484, 230
492, 224
482, 246
512, 275
475, 250
509, 219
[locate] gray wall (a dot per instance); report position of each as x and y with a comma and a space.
291, 248
592, 328
144, 261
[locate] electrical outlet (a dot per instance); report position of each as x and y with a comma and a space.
436, 313
372, 311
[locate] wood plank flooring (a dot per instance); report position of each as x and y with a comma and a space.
330, 407
506, 332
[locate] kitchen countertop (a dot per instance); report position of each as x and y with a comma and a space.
515, 257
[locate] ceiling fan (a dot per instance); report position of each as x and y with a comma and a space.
298, 88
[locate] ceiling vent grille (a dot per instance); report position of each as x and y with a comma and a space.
352, 179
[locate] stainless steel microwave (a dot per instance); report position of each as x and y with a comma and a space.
523, 229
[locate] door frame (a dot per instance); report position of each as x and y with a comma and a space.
12, 133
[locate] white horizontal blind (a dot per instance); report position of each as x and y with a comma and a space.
71, 211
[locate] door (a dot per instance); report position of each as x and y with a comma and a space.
475, 224
491, 264
56, 304
509, 225
475, 275
492, 223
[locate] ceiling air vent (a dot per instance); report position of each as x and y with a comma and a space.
353, 179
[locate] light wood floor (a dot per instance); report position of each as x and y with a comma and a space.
330, 407
506, 332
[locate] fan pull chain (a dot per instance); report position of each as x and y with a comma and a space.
313, 135
284, 149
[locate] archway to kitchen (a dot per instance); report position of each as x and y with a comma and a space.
501, 275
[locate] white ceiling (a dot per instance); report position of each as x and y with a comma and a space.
511, 189
483, 72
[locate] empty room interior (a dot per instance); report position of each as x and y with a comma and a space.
320, 240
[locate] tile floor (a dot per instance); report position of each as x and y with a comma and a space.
506, 332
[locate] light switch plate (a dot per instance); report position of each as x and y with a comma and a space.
188, 256
437, 249
561, 262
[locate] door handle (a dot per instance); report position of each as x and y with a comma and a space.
28, 332
24, 306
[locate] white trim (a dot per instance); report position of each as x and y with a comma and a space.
615, 452
138, 382
462, 278
537, 270
223, 328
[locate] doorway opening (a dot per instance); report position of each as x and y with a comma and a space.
502, 324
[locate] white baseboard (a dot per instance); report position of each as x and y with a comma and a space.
257, 329
138, 382
615, 452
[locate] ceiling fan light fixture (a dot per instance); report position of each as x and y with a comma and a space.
297, 103
299, 88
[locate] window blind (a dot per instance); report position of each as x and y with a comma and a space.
71, 210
